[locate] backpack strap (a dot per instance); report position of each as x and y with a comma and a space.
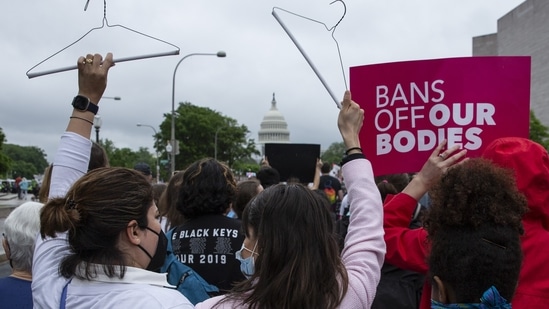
63, 301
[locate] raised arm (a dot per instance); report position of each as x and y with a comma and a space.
407, 248
73, 154
364, 247
316, 180
70, 163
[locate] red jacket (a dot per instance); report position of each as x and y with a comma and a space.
530, 162
408, 249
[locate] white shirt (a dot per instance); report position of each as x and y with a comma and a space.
138, 289
344, 205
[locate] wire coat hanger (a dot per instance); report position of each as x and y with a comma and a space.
311, 64
104, 23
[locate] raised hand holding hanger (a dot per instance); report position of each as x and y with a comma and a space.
105, 22
311, 64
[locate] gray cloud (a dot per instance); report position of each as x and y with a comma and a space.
261, 59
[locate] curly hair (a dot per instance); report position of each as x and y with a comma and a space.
471, 261
208, 187
474, 225
475, 193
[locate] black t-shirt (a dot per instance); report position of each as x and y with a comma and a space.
208, 245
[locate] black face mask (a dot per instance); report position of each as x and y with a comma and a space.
157, 260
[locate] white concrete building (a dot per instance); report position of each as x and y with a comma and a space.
524, 31
274, 128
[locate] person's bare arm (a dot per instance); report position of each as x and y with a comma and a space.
316, 180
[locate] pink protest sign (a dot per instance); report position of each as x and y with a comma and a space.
410, 107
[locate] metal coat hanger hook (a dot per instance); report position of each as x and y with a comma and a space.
330, 29
104, 23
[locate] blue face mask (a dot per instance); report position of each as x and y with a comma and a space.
231, 214
247, 266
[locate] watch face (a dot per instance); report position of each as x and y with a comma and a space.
80, 102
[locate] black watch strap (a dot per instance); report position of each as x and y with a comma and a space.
92, 108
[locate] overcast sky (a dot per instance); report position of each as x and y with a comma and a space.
261, 59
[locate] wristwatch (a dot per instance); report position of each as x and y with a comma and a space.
84, 104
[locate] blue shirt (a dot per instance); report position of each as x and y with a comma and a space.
15, 293
24, 185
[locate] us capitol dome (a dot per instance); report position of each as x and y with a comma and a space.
274, 128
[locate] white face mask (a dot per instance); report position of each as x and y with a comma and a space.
247, 265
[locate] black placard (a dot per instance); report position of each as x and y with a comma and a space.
293, 160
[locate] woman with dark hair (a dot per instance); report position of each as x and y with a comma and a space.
44, 191
409, 248
474, 226
98, 158
290, 254
385, 188
101, 242
169, 215
399, 181
245, 191
158, 191
207, 240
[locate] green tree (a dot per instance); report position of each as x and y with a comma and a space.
123, 157
248, 165
538, 132
334, 153
195, 129
5, 161
26, 160
126, 157
109, 147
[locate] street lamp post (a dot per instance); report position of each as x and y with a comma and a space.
219, 54
113, 98
157, 159
168, 152
97, 122
215, 142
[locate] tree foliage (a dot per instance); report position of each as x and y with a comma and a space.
5, 162
196, 128
334, 153
248, 165
126, 157
26, 160
538, 132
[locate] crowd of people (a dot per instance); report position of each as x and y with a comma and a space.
460, 233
